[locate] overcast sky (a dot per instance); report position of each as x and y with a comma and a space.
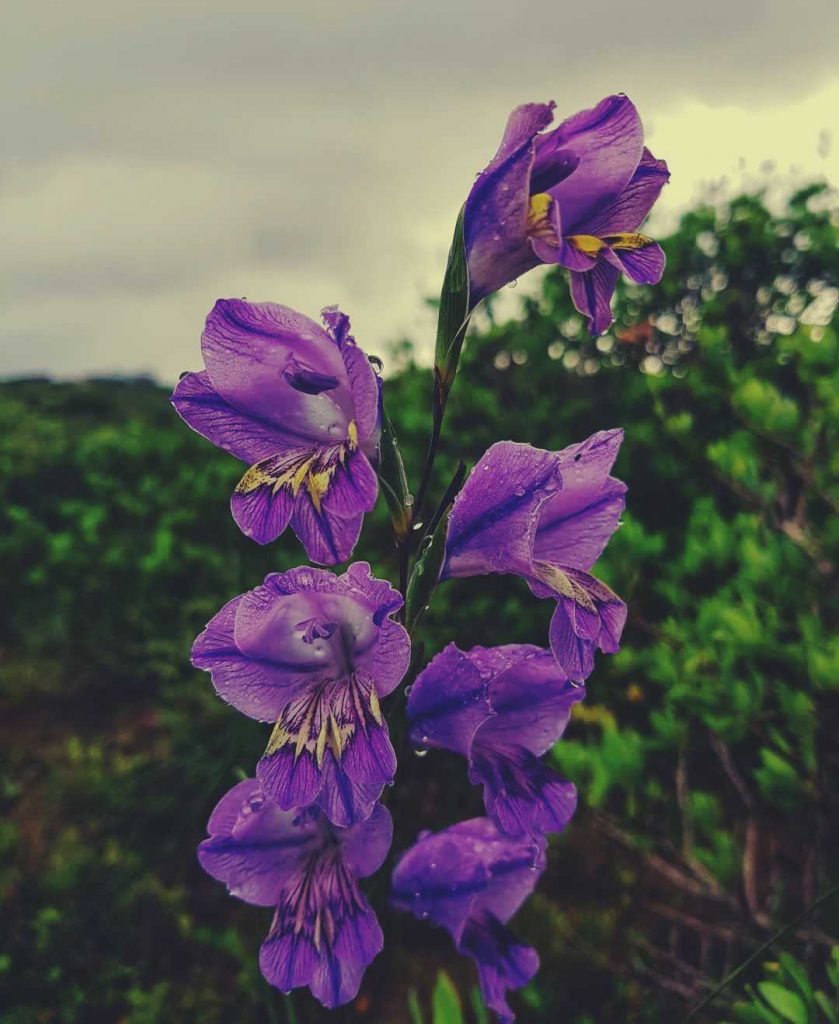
159, 154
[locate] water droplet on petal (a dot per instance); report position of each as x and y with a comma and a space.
408, 688
512, 284
424, 915
421, 751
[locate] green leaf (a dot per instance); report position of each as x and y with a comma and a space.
394, 480
783, 1001
445, 1002
478, 1008
454, 310
414, 1009
828, 1008
798, 975
426, 572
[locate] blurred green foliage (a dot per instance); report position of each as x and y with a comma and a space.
787, 995
706, 754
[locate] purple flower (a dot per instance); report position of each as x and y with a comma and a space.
547, 516
574, 196
324, 932
501, 708
313, 652
300, 404
470, 879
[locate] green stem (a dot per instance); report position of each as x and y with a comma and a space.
759, 953
439, 411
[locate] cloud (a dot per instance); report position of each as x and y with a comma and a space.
159, 155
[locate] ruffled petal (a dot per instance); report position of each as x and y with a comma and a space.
256, 687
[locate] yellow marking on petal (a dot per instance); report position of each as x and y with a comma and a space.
588, 245
300, 476
591, 245
317, 484
254, 477
320, 746
538, 218
278, 739
303, 734
628, 240
335, 741
564, 585
352, 436
375, 708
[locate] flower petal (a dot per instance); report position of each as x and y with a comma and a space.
592, 293
644, 265
288, 778
448, 703
588, 616
369, 758
521, 795
465, 869
247, 350
366, 844
531, 702
352, 489
264, 511
576, 523
203, 409
275, 623
338, 975
254, 846
495, 215
288, 960
493, 519
607, 142
256, 687
366, 393
629, 209
342, 800
503, 962
438, 879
